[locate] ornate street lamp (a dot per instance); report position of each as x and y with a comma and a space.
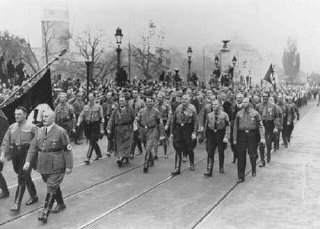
189, 54
118, 37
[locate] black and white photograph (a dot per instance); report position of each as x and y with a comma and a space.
171, 114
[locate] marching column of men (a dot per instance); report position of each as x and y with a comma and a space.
248, 124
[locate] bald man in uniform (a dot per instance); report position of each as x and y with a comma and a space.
52, 151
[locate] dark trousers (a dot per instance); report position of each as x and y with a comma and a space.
214, 140
109, 136
233, 146
182, 141
24, 176
286, 133
246, 142
92, 132
136, 142
3, 184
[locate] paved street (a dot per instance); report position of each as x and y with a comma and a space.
101, 195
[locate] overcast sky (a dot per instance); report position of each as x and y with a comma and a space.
264, 24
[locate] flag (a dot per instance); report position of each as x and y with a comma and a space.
4, 124
40, 92
269, 75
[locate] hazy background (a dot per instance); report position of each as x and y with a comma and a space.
264, 24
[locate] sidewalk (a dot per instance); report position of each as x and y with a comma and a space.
285, 194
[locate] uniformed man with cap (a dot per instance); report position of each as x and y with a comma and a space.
65, 116
52, 152
149, 122
184, 132
166, 113
3, 184
216, 135
92, 115
247, 130
15, 146
136, 104
271, 122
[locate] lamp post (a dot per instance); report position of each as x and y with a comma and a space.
189, 54
118, 37
88, 64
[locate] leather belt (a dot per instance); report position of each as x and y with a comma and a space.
50, 150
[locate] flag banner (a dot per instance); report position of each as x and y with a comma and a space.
269, 75
39, 93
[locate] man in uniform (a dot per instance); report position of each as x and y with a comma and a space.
247, 130
271, 121
65, 116
184, 132
51, 149
108, 106
289, 125
166, 113
77, 104
15, 146
235, 108
136, 104
216, 135
149, 122
4, 126
92, 115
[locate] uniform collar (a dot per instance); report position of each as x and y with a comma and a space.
49, 127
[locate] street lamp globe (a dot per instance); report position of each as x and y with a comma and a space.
189, 52
118, 35
216, 60
234, 61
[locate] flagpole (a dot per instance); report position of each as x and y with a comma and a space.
35, 75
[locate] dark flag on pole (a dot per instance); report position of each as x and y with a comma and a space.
4, 125
39, 93
269, 77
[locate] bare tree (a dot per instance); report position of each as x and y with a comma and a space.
89, 46
48, 35
151, 64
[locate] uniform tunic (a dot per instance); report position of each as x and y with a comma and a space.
15, 146
215, 133
52, 153
120, 123
246, 132
65, 116
148, 120
184, 124
92, 115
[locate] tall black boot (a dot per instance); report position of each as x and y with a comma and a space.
97, 150
60, 203
146, 162
221, 162
261, 150
32, 192
3, 186
209, 167
41, 212
47, 207
18, 198
177, 164
89, 154
191, 159
253, 161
